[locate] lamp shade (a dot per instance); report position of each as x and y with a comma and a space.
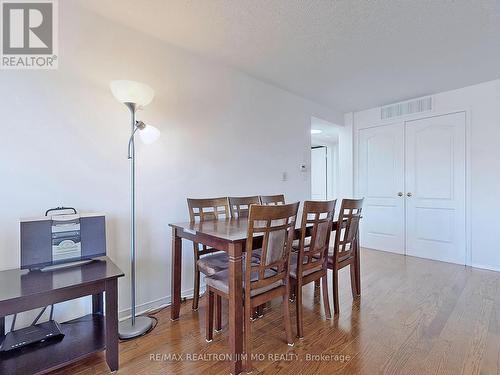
132, 92
149, 134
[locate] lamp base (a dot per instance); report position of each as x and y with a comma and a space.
127, 330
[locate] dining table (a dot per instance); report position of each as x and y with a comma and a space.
228, 235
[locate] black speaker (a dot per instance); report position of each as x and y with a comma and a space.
93, 235
36, 243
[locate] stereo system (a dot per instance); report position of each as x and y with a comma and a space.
57, 239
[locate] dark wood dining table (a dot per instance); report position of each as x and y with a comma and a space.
227, 235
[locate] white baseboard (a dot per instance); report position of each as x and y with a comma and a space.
155, 304
482, 266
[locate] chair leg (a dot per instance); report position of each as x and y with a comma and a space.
209, 317
286, 319
326, 301
255, 314
196, 292
358, 269
299, 311
248, 336
293, 288
260, 311
335, 280
354, 286
218, 316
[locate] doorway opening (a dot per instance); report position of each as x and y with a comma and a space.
325, 159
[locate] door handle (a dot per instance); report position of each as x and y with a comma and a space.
408, 194
400, 194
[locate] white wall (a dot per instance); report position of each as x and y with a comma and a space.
482, 104
64, 142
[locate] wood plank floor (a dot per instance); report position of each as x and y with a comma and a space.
415, 316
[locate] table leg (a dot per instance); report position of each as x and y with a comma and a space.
236, 307
97, 304
2, 325
176, 275
112, 324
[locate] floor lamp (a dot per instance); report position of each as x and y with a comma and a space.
135, 96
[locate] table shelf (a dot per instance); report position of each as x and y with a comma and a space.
83, 336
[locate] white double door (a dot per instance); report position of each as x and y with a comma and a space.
412, 176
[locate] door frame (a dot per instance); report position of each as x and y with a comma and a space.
402, 122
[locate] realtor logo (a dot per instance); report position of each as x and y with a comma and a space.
29, 34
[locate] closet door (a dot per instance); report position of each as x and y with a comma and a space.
435, 188
380, 181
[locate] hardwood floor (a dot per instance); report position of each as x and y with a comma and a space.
415, 316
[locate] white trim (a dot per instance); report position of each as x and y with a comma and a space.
483, 267
156, 304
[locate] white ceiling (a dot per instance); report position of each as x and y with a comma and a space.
349, 55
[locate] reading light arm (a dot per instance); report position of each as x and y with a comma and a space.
139, 125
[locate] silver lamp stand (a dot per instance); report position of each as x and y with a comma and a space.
135, 325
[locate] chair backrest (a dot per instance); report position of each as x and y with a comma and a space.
276, 225
345, 235
317, 222
270, 200
240, 206
208, 209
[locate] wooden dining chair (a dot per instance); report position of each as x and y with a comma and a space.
207, 260
240, 206
265, 278
309, 264
343, 252
272, 200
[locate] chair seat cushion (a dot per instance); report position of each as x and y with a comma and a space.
296, 243
257, 253
341, 259
220, 281
330, 251
213, 263
294, 257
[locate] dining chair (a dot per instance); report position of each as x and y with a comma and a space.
309, 264
265, 278
208, 260
343, 252
272, 200
240, 206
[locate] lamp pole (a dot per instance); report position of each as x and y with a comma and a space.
136, 325
133, 108
134, 95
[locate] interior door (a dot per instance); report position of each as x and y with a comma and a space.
319, 171
381, 182
435, 188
